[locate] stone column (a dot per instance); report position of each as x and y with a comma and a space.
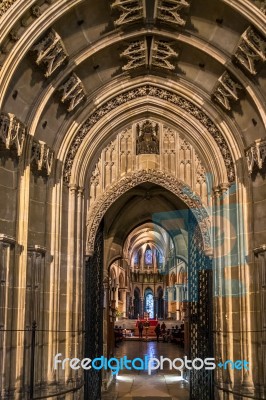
6, 244
68, 337
141, 308
155, 306
179, 289
260, 253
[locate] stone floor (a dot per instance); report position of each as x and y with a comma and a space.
137, 385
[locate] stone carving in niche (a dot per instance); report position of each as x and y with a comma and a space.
251, 50
175, 155
147, 141
131, 10
42, 157
256, 155
73, 92
169, 11
12, 132
51, 53
159, 93
226, 90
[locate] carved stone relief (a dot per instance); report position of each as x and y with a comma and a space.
147, 138
165, 95
42, 157
12, 132
157, 54
157, 177
169, 11
131, 10
251, 50
226, 90
5, 5
176, 157
73, 92
51, 53
256, 155
136, 53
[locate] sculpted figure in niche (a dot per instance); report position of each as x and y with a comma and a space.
147, 138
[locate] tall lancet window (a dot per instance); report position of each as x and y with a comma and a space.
148, 257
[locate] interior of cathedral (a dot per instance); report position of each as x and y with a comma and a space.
132, 193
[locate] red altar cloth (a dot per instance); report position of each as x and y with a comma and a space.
153, 322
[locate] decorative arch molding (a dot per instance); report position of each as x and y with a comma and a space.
157, 177
165, 95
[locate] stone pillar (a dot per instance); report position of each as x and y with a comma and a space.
260, 253
6, 246
155, 306
141, 308
179, 298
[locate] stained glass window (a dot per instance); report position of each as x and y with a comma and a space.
136, 258
149, 304
148, 257
160, 258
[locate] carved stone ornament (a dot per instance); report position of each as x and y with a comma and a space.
226, 90
5, 5
157, 177
136, 53
131, 10
169, 11
12, 132
147, 140
256, 155
251, 49
157, 54
73, 92
42, 157
163, 94
161, 52
50, 52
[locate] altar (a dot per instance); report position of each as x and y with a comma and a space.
152, 322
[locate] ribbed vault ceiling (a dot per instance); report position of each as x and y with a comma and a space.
112, 45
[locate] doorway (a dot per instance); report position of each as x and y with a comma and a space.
159, 213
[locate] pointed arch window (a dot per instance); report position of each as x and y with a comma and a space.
148, 257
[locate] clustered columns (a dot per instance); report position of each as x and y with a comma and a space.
220, 322
260, 253
170, 291
73, 335
229, 277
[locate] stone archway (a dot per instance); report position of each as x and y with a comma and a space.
178, 188
200, 270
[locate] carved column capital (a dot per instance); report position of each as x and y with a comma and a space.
6, 239
260, 250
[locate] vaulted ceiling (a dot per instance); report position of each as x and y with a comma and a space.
62, 60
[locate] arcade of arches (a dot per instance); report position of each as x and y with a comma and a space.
132, 183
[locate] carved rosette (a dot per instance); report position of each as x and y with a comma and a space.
226, 90
42, 157
12, 132
251, 50
256, 155
73, 92
159, 93
51, 53
157, 177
